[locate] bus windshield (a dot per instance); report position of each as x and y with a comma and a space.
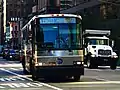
59, 33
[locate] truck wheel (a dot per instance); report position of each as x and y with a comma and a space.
76, 77
113, 67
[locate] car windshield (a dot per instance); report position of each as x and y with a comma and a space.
12, 51
98, 42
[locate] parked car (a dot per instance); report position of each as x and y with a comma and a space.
12, 54
1, 50
4, 53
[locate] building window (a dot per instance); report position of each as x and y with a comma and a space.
11, 13
15, 13
18, 13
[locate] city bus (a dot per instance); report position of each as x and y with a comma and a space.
52, 45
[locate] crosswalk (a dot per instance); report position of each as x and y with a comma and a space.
17, 80
10, 65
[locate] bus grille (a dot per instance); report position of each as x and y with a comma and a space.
104, 52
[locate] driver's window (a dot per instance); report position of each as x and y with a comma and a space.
50, 33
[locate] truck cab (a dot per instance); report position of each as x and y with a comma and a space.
98, 50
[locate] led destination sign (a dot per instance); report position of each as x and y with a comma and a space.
57, 20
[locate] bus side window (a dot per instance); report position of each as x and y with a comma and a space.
39, 35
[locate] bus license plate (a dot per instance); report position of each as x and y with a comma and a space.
52, 63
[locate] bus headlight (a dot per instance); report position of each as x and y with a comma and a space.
77, 62
46, 64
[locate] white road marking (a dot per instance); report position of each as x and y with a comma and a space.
14, 69
11, 65
18, 85
2, 79
95, 78
21, 76
2, 87
21, 68
95, 69
11, 79
96, 82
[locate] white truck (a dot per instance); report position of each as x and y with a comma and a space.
98, 49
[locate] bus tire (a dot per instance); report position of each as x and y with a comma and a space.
34, 78
24, 67
33, 72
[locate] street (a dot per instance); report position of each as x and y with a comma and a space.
12, 78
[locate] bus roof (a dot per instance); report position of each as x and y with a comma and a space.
51, 15
99, 32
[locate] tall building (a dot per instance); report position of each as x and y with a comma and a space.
44, 6
1, 5
48, 6
103, 8
66, 4
12, 12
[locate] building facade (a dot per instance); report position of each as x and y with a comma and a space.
1, 21
105, 9
48, 6
66, 4
12, 12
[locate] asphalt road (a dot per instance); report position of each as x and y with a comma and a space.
12, 78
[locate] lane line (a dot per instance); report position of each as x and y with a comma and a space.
94, 78
95, 82
10, 65
21, 76
14, 69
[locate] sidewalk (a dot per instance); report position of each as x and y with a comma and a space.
6, 63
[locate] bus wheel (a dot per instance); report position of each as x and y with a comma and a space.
33, 72
24, 67
76, 77
34, 78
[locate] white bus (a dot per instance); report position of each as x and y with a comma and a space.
52, 46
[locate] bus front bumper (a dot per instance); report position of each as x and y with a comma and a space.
59, 71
